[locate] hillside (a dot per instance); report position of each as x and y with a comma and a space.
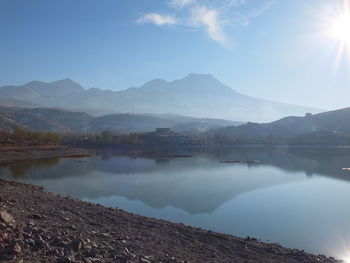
55, 120
331, 127
201, 96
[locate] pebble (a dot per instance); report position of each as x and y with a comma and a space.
50, 238
7, 218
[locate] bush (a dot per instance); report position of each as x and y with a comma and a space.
20, 136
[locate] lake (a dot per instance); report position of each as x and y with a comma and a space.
298, 197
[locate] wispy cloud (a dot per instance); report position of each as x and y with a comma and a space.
263, 8
209, 18
181, 3
212, 16
157, 19
236, 2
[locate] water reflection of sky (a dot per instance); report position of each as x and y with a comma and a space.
299, 199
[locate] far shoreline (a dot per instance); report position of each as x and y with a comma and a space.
13, 153
10, 154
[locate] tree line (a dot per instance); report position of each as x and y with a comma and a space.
100, 139
20, 136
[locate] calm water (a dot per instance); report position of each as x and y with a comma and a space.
297, 197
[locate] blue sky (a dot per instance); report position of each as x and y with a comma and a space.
274, 49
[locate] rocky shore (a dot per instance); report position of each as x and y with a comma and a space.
36, 226
18, 153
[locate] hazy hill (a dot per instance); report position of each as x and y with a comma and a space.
45, 119
195, 95
36, 90
16, 103
318, 128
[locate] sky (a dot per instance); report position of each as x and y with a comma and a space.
280, 50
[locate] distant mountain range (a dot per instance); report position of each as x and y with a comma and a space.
332, 127
54, 120
327, 128
201, 96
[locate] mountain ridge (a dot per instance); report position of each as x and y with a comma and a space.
198, 95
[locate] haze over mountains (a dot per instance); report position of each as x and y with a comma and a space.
201, 96
65, 107
54, 120
332, 127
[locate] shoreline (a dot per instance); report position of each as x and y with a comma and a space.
9, 154
38, 226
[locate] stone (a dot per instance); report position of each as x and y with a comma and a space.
77, 244
7, 218
7, 256
143, 260
31, 242
35, 216
93, 252
66, 259
17, 249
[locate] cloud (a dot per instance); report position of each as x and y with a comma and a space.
245, 19
212, 16
157, 19
263, 9
236, 2
209, 18
240, 19
181, 3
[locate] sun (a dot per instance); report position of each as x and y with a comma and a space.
340, 28
336, 28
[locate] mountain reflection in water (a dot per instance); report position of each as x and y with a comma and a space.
298, 196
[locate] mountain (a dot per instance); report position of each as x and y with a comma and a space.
46, 119
332, 127
198, 95
37, 90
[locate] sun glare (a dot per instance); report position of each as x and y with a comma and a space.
336, 25
341, 27
346, 259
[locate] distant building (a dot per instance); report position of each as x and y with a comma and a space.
164, 136
308, 114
